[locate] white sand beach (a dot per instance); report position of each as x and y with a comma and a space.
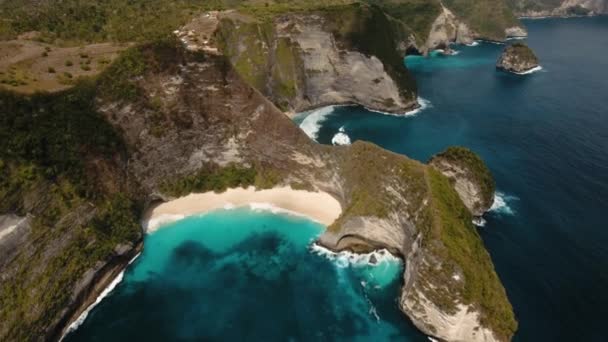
318, 206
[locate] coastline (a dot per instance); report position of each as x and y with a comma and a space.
101, 283
317, 206
410, 109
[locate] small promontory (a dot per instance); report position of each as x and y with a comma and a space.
469, 176
517, 58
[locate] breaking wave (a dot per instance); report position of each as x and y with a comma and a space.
341, 138
83, 316
345, 258
479, 222
312, 123
501, 204
531, 71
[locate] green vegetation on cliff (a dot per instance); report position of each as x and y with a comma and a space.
211, 178
417, 15
370, 31
471, 162
461, 244
274, 66
95, 21
522, 51
63, 164
489, 18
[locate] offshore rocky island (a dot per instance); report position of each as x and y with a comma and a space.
159, 115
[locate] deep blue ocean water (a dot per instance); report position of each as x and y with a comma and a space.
239, 274
545, 138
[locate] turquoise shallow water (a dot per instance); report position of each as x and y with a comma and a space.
240, 274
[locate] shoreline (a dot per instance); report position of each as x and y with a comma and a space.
293, 113
317, 206
560, 16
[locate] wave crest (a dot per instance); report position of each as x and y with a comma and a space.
345, 259
501, 204
312, 123
83, 316
531, 71
341, 138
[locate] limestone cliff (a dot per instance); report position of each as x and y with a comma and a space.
549, 8
439, 23
337, 55
517, 58
469, 176
179, 119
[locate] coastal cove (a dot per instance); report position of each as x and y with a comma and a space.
201, 275
543, 136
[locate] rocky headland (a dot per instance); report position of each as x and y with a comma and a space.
204, 111
469, 176
517, 58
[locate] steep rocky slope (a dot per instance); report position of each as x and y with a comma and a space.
469, 176
336, 55
435, 24
180, 121
546, 8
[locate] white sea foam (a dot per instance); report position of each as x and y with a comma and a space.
424, 104
501, 204
312, 123
314, 119
474, 43
517, 38
161, 220
479, 222
372, 309
345, 258
531, 71
490, 41
260, 206
83, 316
341, 138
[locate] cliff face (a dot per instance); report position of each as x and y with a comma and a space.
487, 19
436, 24
517, 58
547, 8
338, 55
183, 118
469, 176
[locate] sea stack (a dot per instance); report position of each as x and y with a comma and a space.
517, 58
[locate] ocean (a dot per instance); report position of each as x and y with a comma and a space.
248, 274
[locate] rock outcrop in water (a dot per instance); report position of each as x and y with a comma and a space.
517, 58
469, 176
